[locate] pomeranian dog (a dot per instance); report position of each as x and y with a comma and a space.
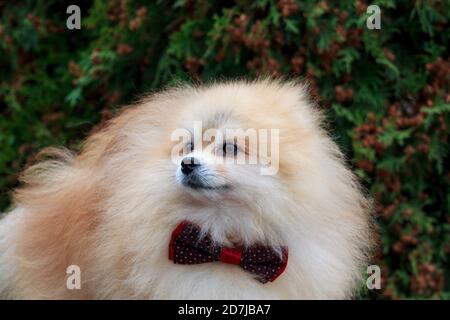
157, 205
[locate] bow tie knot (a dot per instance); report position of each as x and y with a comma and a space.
189, 246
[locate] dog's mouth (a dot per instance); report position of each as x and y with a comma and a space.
198, 185
202, 180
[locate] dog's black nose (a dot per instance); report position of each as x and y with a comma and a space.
188, 165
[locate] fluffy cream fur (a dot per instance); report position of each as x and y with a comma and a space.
111, 208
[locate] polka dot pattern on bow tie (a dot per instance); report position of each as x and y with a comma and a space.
263, 261
188, 246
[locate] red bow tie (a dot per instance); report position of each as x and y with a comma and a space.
188, 247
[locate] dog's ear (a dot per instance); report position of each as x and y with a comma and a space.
301, 95
105, 139
151, 112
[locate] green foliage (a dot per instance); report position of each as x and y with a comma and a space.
386, 93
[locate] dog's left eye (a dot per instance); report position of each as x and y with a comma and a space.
230, 148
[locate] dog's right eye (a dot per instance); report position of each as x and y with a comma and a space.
190, 147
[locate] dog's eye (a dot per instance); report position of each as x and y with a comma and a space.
190, 147
230, 148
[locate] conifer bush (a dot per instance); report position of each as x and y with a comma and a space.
386, 93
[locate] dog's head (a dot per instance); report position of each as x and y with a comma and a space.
238, 142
